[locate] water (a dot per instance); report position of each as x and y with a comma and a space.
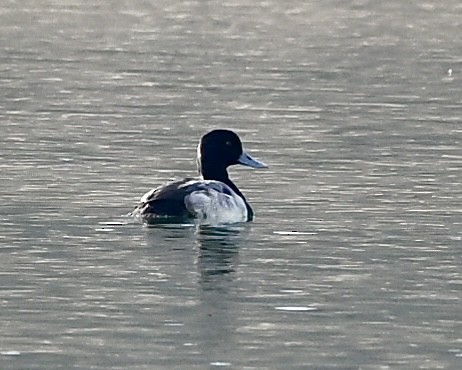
353, 260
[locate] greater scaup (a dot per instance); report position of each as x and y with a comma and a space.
213, 198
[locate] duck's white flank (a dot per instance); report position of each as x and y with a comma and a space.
215, 203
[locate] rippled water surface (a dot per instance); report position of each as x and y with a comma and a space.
354, 259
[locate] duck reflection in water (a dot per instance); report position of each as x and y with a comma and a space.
217, 248
218, 252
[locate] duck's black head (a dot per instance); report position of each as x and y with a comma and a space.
219, 149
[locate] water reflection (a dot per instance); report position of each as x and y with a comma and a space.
218, 265
167, 232
212, 325
218, 252
216, 248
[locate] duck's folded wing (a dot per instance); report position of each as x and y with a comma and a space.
166, 200
165, 191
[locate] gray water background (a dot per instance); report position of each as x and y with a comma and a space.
354, 258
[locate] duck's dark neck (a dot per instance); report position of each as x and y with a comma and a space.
214, 173
222, 176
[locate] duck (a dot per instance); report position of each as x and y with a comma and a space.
212, 198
